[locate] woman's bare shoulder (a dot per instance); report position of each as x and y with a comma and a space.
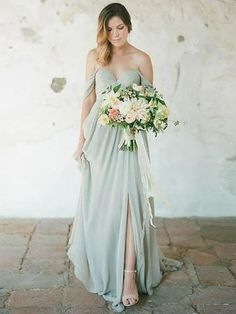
91, 56
144, 63
142, 56
92, 53
91, 63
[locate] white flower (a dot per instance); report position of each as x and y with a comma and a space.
110, 99
139, 106
138, 88
152, 103
104, 119
162, 112
141, 114
158, 124
130, 117
146, 117
124, 107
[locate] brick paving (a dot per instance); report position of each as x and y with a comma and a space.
36, 276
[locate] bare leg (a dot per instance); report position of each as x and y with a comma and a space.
130, 261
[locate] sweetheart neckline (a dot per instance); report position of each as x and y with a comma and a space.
117, 78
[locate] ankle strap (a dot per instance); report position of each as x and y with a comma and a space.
130, 271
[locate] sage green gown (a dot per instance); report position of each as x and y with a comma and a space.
108, 177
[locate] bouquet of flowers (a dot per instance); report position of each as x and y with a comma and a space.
133, 108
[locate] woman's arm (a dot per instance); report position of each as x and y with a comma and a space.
145, 66
89, 101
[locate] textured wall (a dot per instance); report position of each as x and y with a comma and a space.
42, 62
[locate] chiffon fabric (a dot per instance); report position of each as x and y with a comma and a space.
109, 178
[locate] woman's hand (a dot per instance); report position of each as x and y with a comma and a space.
78, 153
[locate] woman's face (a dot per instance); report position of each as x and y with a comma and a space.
117, 31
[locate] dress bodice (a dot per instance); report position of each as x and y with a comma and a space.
101, 78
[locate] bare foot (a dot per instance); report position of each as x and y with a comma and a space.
130, 287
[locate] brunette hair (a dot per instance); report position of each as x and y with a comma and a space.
104, 47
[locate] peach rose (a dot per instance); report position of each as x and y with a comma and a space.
113, 113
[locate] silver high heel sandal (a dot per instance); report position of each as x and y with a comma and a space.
127, 296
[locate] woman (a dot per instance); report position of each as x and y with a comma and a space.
112, 245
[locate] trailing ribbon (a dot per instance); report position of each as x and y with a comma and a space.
148, 180
128, 140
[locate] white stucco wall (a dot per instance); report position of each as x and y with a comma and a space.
193, 50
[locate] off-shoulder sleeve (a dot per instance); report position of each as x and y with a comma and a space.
144, 80
89, 85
